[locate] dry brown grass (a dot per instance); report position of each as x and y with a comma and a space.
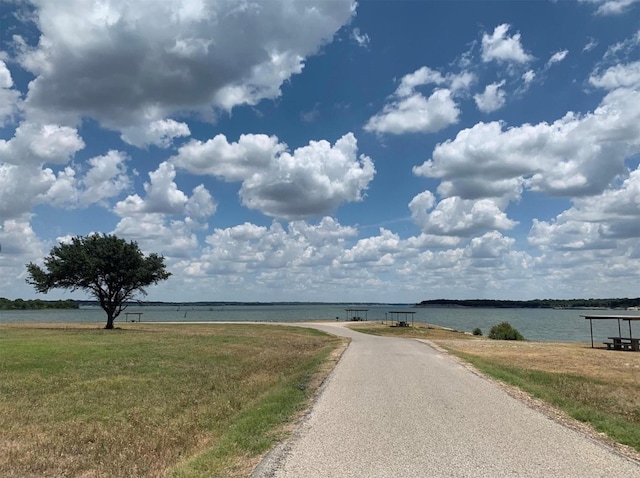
418, 330
79, 401
616, 367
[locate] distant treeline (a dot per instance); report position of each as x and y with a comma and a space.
536, 304
37, 304
93, 303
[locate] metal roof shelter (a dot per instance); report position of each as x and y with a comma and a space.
628, 318
356, 314
401, 317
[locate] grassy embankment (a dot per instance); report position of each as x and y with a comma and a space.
152, 400
596, 386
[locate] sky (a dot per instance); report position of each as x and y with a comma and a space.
328, 150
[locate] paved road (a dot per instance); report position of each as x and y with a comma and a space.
396, 408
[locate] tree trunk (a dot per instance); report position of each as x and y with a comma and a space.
109, 321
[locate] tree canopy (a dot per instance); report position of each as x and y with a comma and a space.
109, 268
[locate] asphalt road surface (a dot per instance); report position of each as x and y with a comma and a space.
396, 408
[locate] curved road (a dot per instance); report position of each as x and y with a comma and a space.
397, 408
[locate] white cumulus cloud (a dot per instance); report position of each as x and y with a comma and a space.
230, 161
492, 99
573, 156
128, 64
312, 181
501, 47
454, 216
416, 114
528, 76
611, 7
362, 39
106, 178
557, 57
21, 187
9, 97
617, 76
159, 133
409, 111
162, 195
609, 220
41, 144
165, 218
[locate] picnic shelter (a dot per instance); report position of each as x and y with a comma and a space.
620, 341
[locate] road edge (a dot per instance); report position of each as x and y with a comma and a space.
548, 410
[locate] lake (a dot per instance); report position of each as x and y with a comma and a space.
535, 324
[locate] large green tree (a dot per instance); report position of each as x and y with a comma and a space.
111, 269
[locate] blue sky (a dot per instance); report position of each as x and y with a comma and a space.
384, 151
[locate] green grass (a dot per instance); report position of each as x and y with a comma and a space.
150, 400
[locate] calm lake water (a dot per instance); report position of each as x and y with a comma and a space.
534, 324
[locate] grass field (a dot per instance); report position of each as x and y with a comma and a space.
151, 400
208, 400
598, 387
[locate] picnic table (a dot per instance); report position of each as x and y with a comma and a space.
127, 314
618, 342
401, 317
623, 343
356, 314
